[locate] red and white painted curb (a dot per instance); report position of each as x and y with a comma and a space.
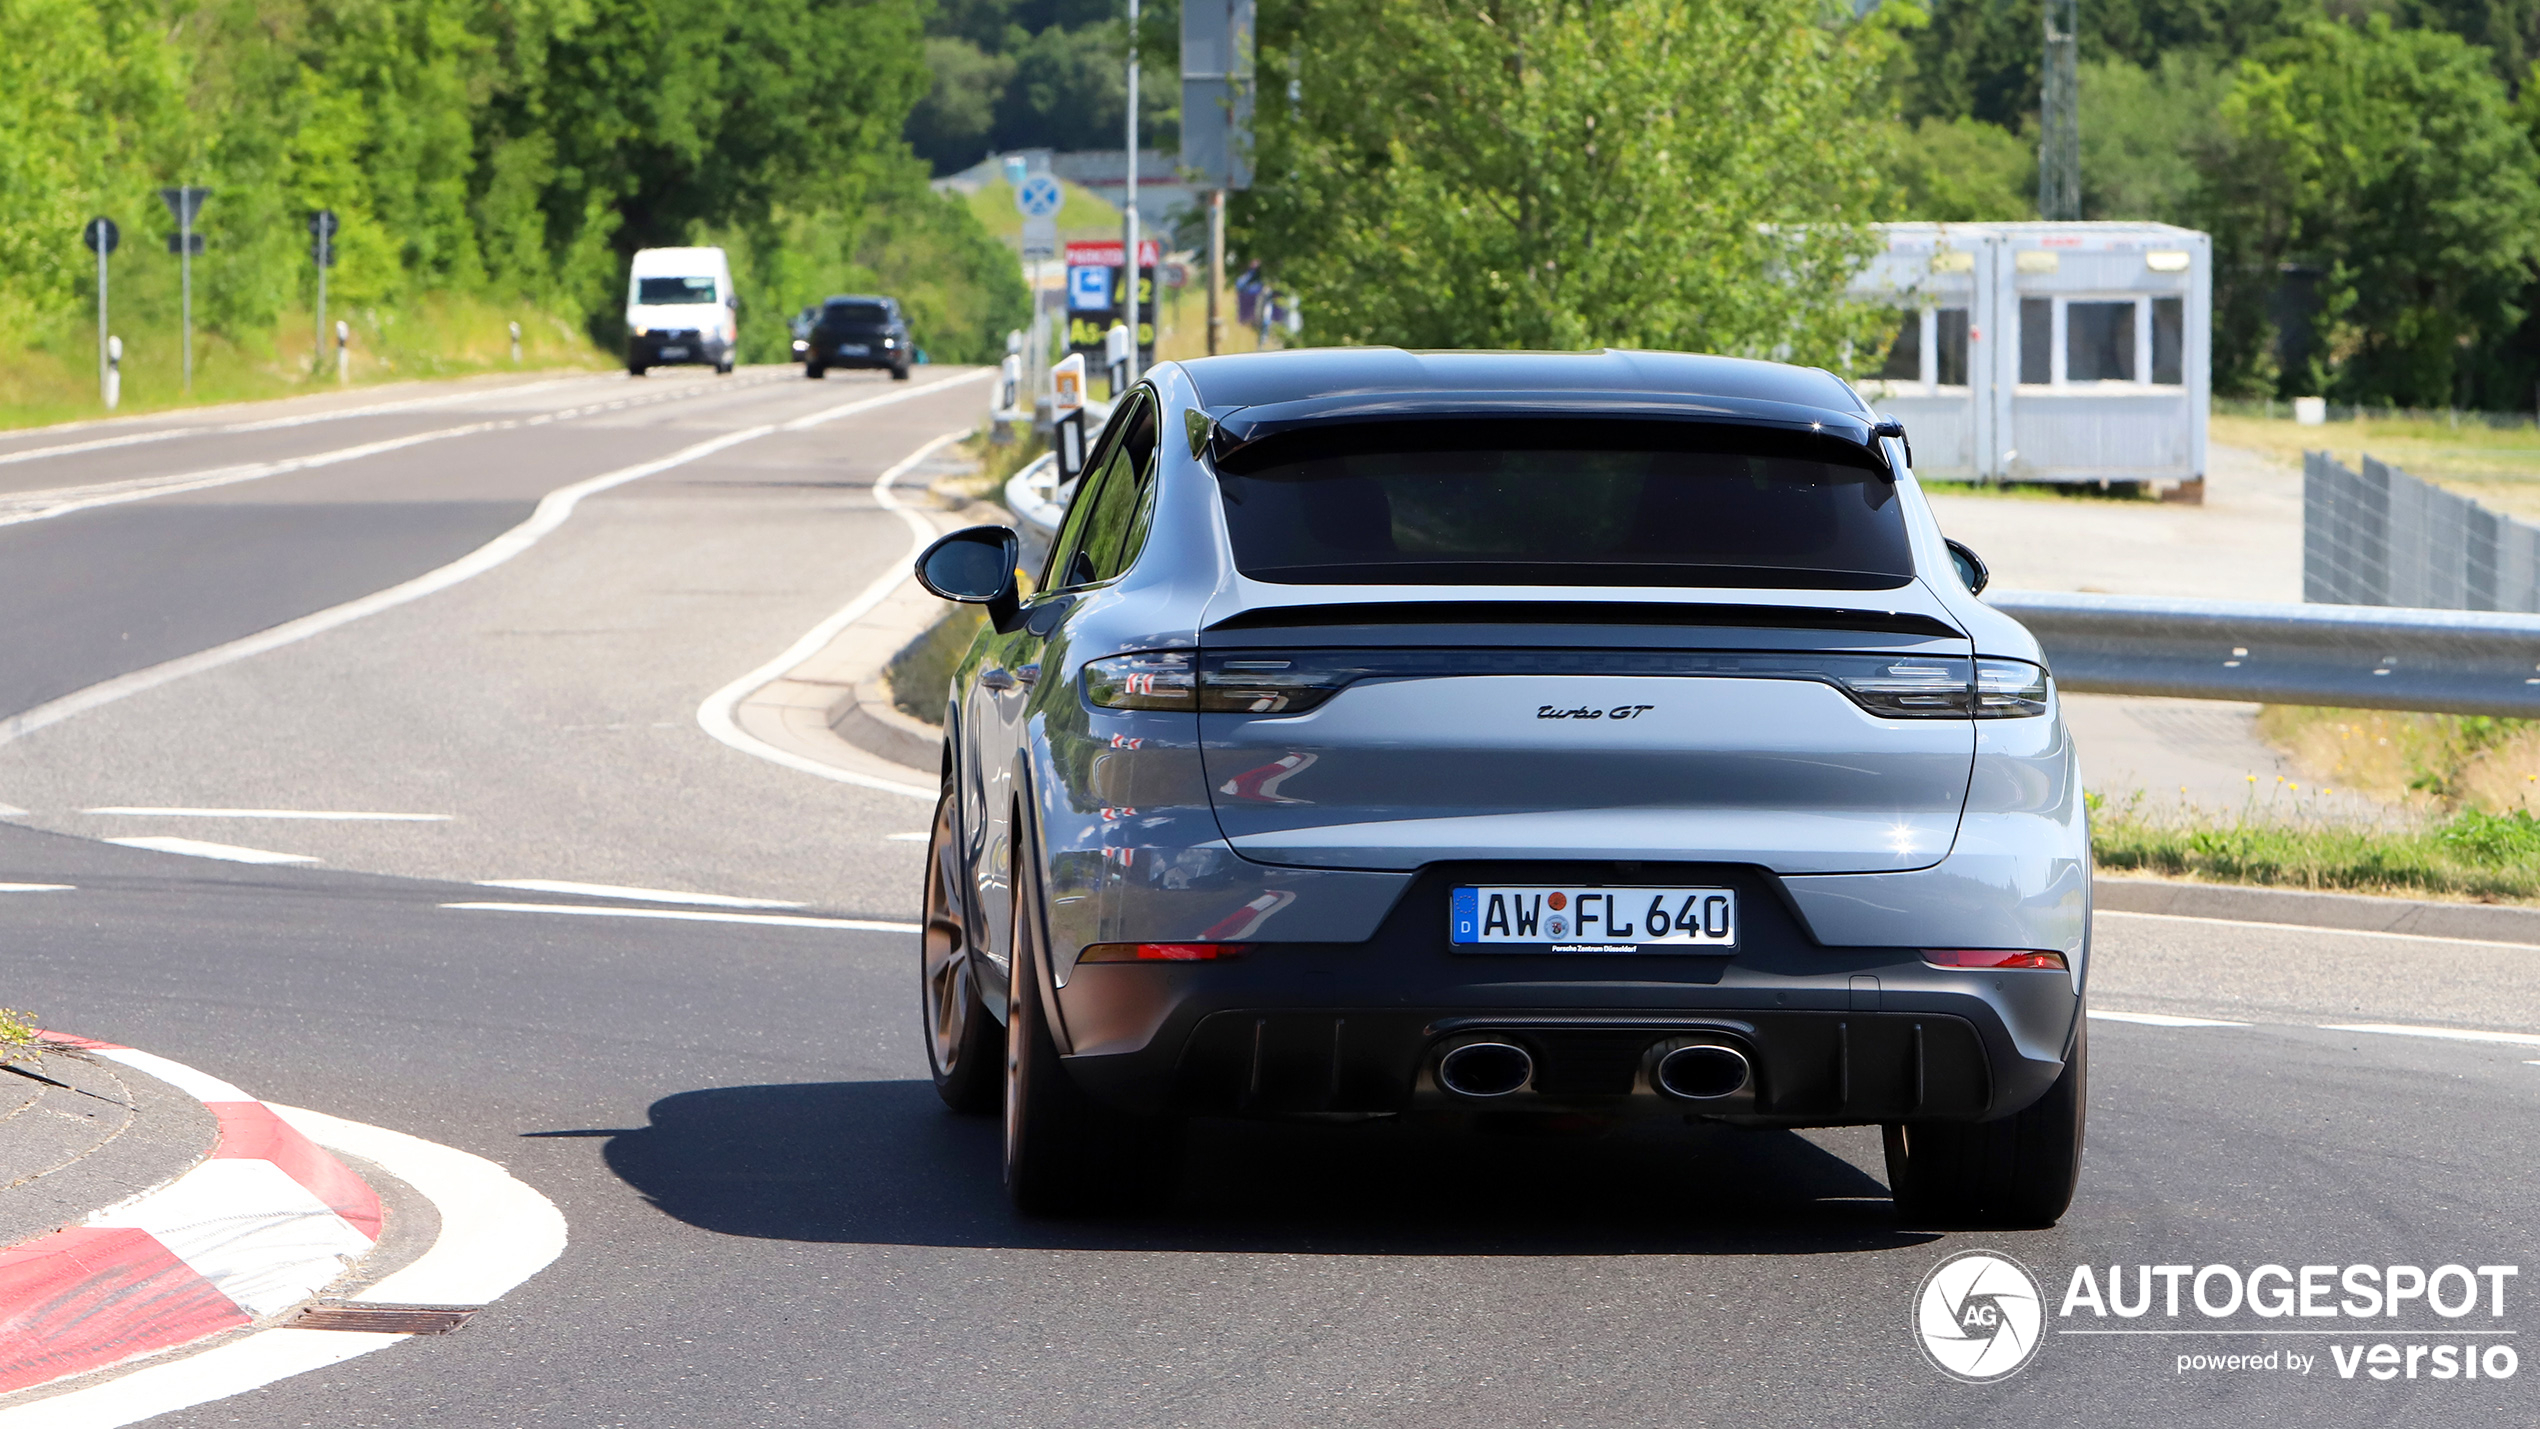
265, 1222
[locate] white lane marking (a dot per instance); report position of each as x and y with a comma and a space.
692, 915
38, 888
2447, 1034
339, 815
495, 1233
2158, 1019
2309, 928
11, 811
23, 506
917, 838
720, 714
268, 424
198, 848
640, 895
552, 511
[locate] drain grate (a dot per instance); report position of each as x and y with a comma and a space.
383, 1319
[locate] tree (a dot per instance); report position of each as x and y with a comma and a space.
2390, 162
1566, 173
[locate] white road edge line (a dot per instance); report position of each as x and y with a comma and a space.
640, 895
553, 510
2447, 1034
345, 815
198, 848
39, 888
2313, 928
496, 1232
2158, 1019
720, 714
691, 915
19, 507
269, 424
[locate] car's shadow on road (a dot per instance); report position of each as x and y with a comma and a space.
885, 1163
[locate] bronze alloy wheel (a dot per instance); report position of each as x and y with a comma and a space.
961, 1037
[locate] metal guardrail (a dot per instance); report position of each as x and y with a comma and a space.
2356, 656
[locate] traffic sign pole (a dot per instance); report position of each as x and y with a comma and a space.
182, 202
185, 286
1130, 247
324, 260
105, 372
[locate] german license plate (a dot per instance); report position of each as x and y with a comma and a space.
851, 349
1591, 920
674, 352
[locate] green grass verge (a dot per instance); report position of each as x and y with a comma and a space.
2472, 854
17, 1036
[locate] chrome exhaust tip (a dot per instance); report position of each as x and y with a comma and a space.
1485, 1069
1701, 1072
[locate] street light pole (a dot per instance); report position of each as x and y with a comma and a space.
1129, 249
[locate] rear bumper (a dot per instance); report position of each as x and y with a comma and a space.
1834, 1035
693, 348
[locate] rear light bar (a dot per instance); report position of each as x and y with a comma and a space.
1992, 958
1163, 952
1269, 683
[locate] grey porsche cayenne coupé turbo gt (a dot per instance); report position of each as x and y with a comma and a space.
1395, 733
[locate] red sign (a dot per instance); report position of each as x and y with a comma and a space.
1107, 255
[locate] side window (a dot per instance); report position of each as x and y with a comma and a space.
1106, 485
1070, 544
1118, 526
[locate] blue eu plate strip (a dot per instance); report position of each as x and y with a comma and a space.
1465, 916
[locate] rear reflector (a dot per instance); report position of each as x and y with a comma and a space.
1992, 958
1163, 952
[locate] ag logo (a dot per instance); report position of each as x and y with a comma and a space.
1979, 1316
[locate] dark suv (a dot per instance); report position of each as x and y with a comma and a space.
857, 331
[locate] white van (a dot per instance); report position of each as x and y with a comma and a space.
680, 308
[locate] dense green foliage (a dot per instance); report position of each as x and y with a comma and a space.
512, 150
2371, 181
1024, 74
1548, 174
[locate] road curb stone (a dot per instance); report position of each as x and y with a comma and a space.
2477, 922
244, 1234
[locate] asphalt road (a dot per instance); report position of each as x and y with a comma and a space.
772, 1220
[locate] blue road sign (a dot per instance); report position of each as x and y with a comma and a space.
1038, 196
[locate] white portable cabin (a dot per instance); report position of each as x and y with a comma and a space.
2055, 352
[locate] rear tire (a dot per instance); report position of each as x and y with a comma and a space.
964, 1046
814, 371
2019, 1171
1065, 1153
900, 373
634, 369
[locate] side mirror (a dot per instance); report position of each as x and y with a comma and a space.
1971, 568
975, 566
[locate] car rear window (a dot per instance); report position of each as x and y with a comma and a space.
858, 313
655, 292
1563, 503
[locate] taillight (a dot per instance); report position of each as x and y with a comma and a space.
1990, 958
1158, 680
2009, 689
1291, 683
1163, 952
1904, 687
